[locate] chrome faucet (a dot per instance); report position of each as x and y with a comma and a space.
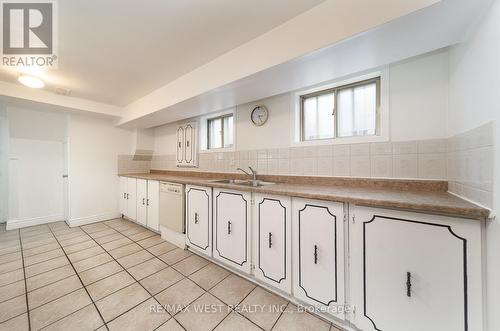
253, 173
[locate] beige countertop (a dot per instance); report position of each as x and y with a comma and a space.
432, 201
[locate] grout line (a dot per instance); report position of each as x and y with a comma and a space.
92, 300
281, 314
25, 283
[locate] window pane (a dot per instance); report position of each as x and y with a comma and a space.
215, 133
318, 117
357, 111
228, 131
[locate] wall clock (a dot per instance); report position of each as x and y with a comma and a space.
259, 116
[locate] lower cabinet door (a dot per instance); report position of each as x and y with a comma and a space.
318, 241
272, 241
142, 194
414, 271
131, 199
153, 205
123, 195
199, 218
232, 228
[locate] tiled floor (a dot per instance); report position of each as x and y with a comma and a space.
117, 275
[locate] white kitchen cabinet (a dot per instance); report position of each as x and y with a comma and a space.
413, 272
272, 241
153, 205
232, 226
128, 190
199, 219
187, 147
123, 195
142, 195
318, 249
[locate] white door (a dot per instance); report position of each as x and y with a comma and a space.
232, 228
142, 195
132, 198
272, 240
319, 254
189, 144
180, 146
123, 196
199, 218
415, 272
153, 204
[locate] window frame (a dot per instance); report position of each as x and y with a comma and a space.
221, 117
335, 90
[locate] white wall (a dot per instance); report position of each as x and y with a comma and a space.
4, 145
94, 146
474, 87
418, 99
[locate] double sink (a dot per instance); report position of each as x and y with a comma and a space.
251, 183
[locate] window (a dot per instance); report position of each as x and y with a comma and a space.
344, 111
220, 132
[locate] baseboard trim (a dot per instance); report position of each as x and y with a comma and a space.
23, 223
92, 219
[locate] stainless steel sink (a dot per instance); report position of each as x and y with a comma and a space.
252, 183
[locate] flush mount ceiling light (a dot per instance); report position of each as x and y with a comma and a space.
31, 81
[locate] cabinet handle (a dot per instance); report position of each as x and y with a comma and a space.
124, 195
127, 196
270, 240
315, 254
143, 201
195, 218
180, 145
408, 284
147, 202
187, 143
228, 227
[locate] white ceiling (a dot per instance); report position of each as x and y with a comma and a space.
117, 51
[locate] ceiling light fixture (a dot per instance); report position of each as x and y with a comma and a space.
31, 81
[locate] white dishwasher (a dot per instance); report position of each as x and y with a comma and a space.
172, 206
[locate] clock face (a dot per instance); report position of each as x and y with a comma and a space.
260, 115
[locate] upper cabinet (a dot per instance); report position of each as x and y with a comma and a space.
187, 147
414, 271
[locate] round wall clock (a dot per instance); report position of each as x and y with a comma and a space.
259, 116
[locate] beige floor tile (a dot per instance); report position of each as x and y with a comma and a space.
175, 256
80, 246
179, 295
43, 257
140, 318
49, 277
269, 306
190, 265
84, 319
161, 248
92, 262
69, 235
142, 235
147, 268
106, 286
103, 233
13, 307
232, 290
334, 328
19, 323
235, 321
151, 241
293, 320
204, 320
208, 276
92, 275
161, 280
131, 230
108, 238
53, 291
85, 254
121, 301
45, 266
75, 240
125, 250
135, 258
170, 325
10, 249
13, 290
116, 243
10, 266
57, 309
10, 257
40, 249
36, 244
95, 227
11, 277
